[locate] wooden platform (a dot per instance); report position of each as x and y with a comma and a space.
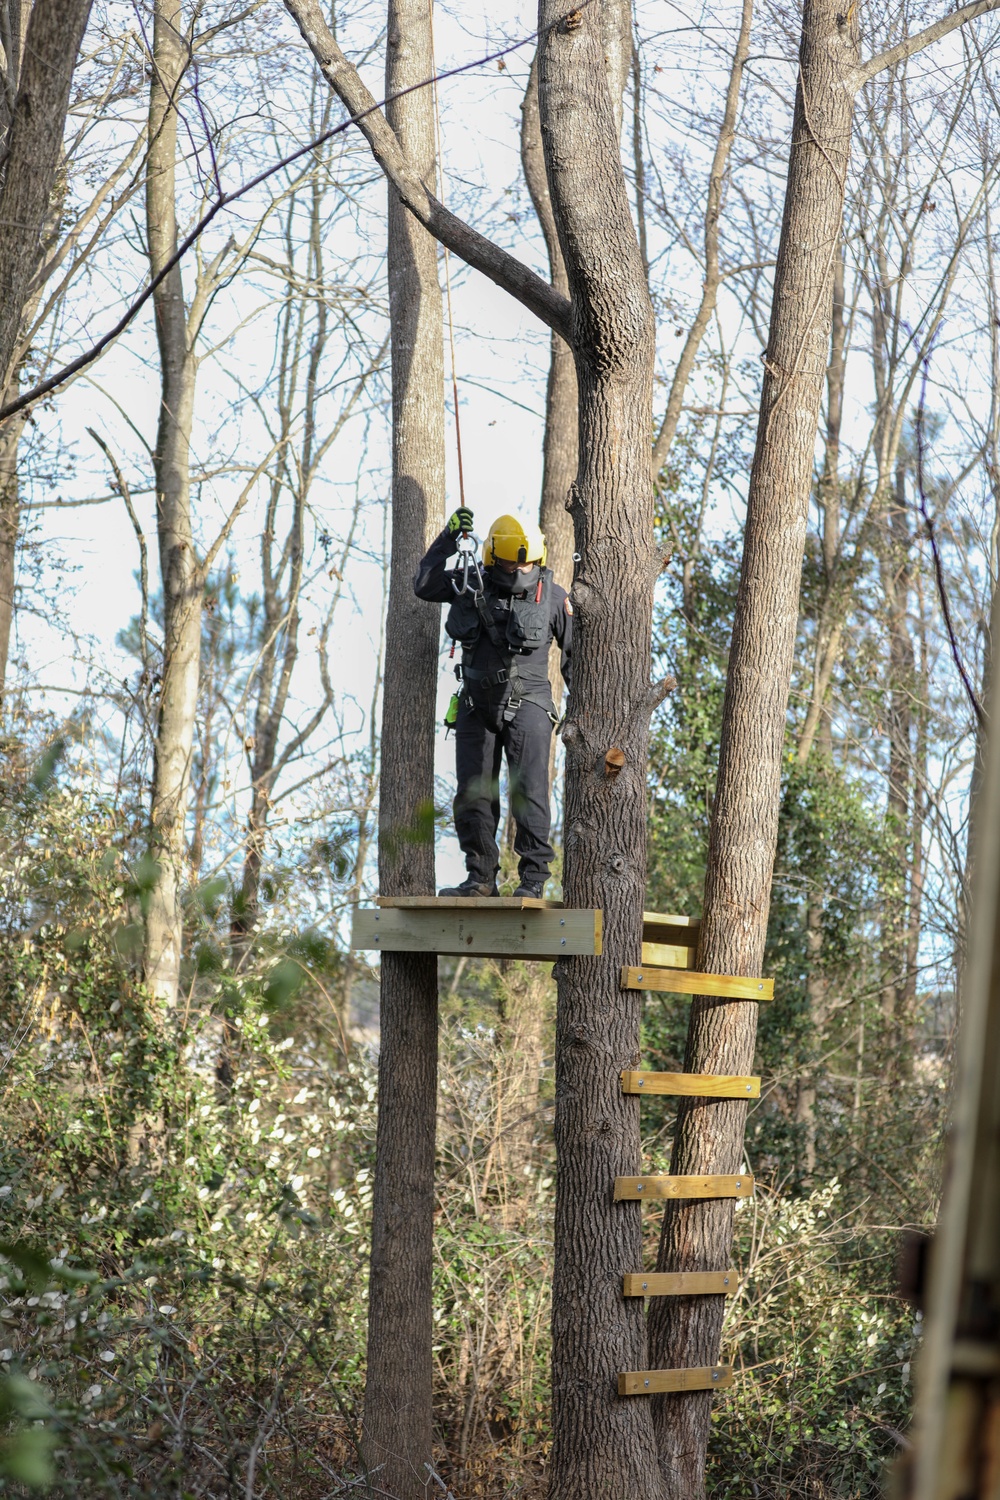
490, 927
466, 903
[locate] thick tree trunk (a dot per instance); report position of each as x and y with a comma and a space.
397, 1435
42, 43
180, 571
721, 1038
602, 1444
33, 149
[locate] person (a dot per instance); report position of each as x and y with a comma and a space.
505, 703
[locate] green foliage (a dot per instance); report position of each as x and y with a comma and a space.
824, 1352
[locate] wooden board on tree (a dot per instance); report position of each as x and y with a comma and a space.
726, 1185
491, 930
691, 1085
669, 955
487, 903
649, 1382
680, 1283
670, 927
679, 982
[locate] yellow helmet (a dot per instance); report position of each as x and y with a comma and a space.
510, 540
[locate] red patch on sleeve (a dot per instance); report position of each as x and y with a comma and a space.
568, 605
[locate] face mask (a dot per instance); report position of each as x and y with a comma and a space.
515, 583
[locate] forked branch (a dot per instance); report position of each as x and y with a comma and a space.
911, 45
474, 248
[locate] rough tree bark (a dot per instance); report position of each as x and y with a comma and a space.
397, 1432
180, 572
721, 1036
32, 151
602, 1445
41, 52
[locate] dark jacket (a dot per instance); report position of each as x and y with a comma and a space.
433, 583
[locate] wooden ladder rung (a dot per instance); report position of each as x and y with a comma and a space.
737, 1185
693, 1085
680, 1283
649, 1382
687, 982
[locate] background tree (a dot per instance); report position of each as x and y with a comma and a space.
398, 1426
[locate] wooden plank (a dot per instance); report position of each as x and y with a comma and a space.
679, 982
680, 1283
691, 1085
737, 1185
490, 930
669, 919
488, 903
649, 1382
668, 955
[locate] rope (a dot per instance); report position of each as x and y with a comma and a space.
447, 268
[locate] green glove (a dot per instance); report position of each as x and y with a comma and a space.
461, 520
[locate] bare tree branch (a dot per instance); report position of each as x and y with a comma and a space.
61, 376
713, 277
123, 490
911, 45
474, 248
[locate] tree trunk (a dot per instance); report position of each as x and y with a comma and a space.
895, 542
602, 1444
10, 521
180, 571
33, 103
524, 1036
709, 1135
398, 1434
32, 151
559, 453
829, 624
829, 631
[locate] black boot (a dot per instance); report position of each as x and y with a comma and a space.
530, 886
471, 886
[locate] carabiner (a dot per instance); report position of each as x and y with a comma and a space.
467, 547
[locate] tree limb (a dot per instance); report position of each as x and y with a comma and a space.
713, 276
911, 45
474, 248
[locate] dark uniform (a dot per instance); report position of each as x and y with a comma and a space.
505, 706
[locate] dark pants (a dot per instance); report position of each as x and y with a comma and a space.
478, 751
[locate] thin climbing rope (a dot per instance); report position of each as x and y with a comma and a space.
447, 268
